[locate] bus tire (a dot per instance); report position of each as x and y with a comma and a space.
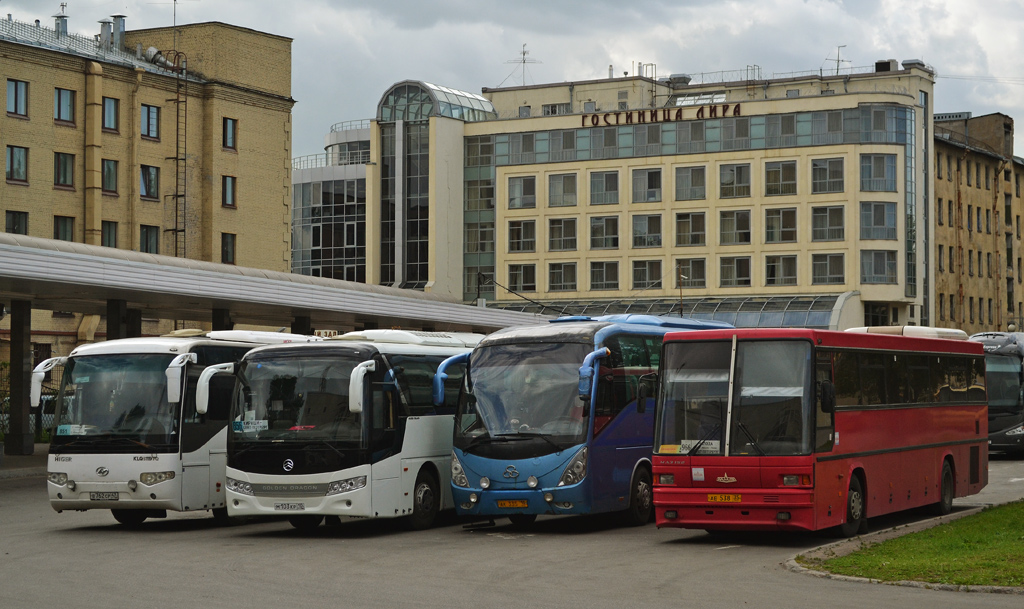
129, 518
305, 523
426, 501
946, 491
640, 499
522, 520
854, 510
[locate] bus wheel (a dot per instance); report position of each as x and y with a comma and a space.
854, 510
640, 500
306, 523
522, 520
221, 518
426, 501
129, 518
945, 504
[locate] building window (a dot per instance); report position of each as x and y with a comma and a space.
561, 234
952, 260
970, 213
150, 122
562, 190
149, 182
938, 211
877, 220
690, 229
938, 165
988, 263
735, 228
227, 248
109, 234
149, 239
63, 169
646, 185
111, 114
17, 222
780, 270
524, 111
735, 272
952, 308
690, 273
604, 275
228, 191
878, 172
646, 274
780, 225
64, 228
988, 221
589, 106
988, 185
522, 277
562, 277
942, 308
647, 231
604, 233
877, 266
827, 269
230, 135
64, 105
735, 181
522, 236
556, 109
826, 176
17, 164
109, 176
690, 184
17, 98
941, 258
479, 237
827, 224
780, 178
970, 264
522, 192
604, 188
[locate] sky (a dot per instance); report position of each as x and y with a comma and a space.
346, 53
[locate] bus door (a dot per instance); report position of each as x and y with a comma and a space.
621, 436
387, 430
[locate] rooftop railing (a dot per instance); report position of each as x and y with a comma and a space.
350, 125
328, 159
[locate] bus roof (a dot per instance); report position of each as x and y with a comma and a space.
582, 329
182, 342
918, 331
1001, 343
413, 337
832, 338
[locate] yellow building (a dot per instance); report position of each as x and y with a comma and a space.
147, 141
977, 223
795, 201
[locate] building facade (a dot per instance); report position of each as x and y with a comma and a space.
173, 141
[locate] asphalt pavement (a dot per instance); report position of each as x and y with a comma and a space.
24, 466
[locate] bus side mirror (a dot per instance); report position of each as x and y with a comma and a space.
648, 388
203, 386
586, 382
38, 374
442, 375
828, 397
356, 385
174, 374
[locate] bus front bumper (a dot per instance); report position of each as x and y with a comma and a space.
502, 502
275, 496
737, 510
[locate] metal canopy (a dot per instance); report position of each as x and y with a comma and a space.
75, 277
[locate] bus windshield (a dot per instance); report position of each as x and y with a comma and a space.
771, 398
295, 398
519, 392
120, 397
1004, 384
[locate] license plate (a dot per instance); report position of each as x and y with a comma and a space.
104, 496
290, 507
514, 503
724, 498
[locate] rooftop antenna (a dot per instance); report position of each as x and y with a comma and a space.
838, 61
522, 61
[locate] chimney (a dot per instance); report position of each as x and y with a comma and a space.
610, 72
105, 34
60, 24
118, 32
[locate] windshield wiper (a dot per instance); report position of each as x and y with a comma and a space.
750, 436
703, 439
534, 434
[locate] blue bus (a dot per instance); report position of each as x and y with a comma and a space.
548, 420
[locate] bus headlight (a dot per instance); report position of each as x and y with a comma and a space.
58, 478
1016, 431
243, 488
344, 486
458, 474
151, 478
576, 470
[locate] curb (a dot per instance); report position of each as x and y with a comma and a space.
25, 472
849, 546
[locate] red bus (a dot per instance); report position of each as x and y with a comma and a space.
795, 429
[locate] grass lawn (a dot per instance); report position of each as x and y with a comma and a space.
984, 549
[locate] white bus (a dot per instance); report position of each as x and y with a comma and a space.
345, 428
126, 433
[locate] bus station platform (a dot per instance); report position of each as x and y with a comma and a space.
24, 466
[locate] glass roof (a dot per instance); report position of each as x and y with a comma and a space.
413, 101
743, 312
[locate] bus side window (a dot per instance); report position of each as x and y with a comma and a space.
619, 377
824, 423
451, 389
